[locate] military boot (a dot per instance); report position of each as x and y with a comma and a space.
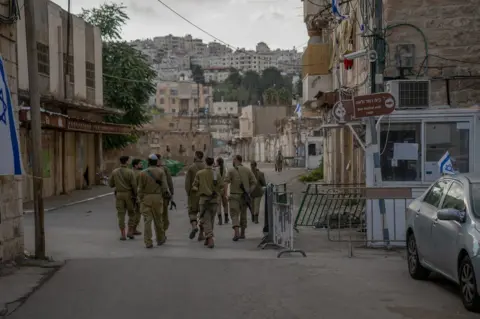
122, 234
162, 241
194, 231
201, 235
209, 242
242, 233
220, 220
136, 232
255, 219
226, 219
130, 233
236, 234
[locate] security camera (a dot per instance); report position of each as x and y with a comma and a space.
356, 55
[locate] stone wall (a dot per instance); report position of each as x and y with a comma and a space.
452, 32
157, 142
11, 206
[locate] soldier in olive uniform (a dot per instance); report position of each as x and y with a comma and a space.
237, 177
279, 161
166, 200
137, 167
208, 184
152, 187
193, 200
223, 199
257, 194
125, 184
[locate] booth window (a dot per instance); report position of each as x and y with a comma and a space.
400, 147
453, 137
312, 149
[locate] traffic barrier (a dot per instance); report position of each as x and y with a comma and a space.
322, 202
278, 227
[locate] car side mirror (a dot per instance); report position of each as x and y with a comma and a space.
451, 214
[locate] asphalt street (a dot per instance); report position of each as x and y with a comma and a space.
106, 278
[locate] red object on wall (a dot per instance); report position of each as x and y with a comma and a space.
348, 64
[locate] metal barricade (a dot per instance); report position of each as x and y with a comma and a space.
279, 220
321, 201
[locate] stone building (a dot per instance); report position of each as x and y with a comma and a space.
71, 98
431, 54
11, 204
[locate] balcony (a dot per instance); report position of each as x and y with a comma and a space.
316, 59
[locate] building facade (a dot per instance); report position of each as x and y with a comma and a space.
71, 88
430, 63
225, 108
11, 203
183, 98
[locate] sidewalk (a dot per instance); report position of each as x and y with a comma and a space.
75, 197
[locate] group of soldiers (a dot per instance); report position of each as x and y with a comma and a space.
209, 187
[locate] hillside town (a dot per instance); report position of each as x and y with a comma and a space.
287, 159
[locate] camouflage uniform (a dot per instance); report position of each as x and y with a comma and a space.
152, 187
238, 206
125, 184
193, 200
208, 184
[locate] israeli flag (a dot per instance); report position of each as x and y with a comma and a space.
445, 164
298, 110
336, 11
11, 163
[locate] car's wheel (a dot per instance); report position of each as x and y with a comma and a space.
468, 285
416, 270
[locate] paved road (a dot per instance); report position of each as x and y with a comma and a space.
106, 278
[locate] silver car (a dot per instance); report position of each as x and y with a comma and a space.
443, 234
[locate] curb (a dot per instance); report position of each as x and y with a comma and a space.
46, 210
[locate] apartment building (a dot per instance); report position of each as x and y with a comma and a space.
216, 74
183, 98
71, 86
218, 49
225, 108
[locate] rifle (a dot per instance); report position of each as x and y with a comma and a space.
247, 199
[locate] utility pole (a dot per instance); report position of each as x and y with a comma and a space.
198, 104
377, 67
36, 128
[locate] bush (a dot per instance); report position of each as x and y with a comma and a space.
313, 176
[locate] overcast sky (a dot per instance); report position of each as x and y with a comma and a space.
241, 23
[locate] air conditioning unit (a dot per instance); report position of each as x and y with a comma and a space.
410, 94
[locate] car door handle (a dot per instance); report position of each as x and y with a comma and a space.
435, 222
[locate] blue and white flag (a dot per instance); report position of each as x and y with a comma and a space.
298, 110
336, 11
445, 164
11, 163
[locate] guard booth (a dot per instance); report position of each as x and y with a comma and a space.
411, 144
314, 152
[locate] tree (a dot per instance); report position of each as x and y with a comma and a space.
234, 78
128, 78
197, 73
251, 83
298, 89
272, 78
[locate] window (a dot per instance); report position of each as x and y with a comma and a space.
174, 111
43, 55
173, 100
442, 137
70, 67
90, 74
434, 195
173, 92
205, 90
312, 150
400, 147
162, 100
455, 198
